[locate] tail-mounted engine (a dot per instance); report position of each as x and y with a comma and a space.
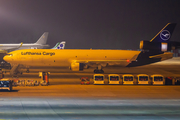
77, 66
159, 46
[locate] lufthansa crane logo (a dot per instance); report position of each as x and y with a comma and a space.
165, 35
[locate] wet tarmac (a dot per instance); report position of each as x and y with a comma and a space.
88, 109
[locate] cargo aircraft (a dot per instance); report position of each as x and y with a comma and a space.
152, 51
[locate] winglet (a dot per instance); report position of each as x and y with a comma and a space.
21, 44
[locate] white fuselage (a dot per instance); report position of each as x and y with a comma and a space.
24, 46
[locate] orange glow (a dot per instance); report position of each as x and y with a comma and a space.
127, 60
141, 44
164, 47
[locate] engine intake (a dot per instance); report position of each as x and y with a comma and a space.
156, 46
159, 46
77, 66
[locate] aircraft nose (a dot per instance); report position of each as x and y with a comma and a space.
7, 58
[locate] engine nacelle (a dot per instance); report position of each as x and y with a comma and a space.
77, 66
157, 46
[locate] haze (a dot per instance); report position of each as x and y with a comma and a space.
97, 24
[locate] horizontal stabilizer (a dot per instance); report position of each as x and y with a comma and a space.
164, 56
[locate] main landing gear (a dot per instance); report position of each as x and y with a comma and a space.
27, 71
98, 69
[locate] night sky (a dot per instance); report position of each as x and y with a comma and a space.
84, 24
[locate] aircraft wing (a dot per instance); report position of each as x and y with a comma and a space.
108, 61
98, 61
120, 62
103, 62
14, 48
21, 45
164, 56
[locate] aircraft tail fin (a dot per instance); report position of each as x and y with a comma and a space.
161, 42
165, 34
43, 39
60, 45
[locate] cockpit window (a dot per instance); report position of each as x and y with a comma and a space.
10, 54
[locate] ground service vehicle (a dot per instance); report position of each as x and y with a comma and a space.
98, 79
36, 83
6, 84
157, 79
85, 81
17, 82
44, 83
177, 81
143, 79
128, 79
113, 78
30, 82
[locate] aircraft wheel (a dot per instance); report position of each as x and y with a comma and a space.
95, 71
27, 71
101, 71
98, 71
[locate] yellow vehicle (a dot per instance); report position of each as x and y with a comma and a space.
113, 78
143, 79
6, 84
128, 79
98, 79
157, 79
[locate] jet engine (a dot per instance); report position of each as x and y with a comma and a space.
77, 66
155, 46
159, 46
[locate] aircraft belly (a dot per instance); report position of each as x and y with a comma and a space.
121, 64
44, 61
